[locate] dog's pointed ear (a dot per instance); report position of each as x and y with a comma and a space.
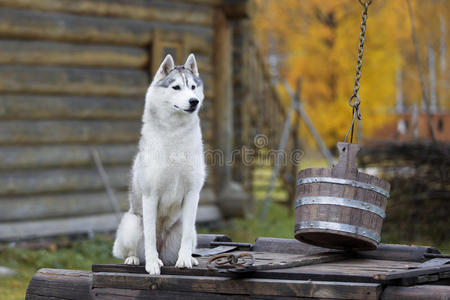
191, 64
166, 66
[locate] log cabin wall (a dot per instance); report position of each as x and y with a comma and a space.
73, 76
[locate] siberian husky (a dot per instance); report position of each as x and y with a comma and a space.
167, 174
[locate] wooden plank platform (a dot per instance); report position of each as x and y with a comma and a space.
301, 272
324, 267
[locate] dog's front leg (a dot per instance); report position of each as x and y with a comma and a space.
190, 203
149, 208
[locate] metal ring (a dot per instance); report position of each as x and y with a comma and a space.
356, 103
342, 181
339, 227
341, 202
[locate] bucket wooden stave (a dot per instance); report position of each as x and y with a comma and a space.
340, 208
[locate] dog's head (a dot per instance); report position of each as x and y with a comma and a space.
176, 90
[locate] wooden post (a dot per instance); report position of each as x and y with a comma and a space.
224, 96
233, 201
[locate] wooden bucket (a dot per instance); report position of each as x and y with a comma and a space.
340, 208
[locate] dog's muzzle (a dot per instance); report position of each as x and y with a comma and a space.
193, 102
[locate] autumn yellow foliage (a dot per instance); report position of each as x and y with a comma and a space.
317, 40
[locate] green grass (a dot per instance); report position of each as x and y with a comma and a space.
80, 255
277, 223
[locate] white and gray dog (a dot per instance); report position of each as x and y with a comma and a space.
167, 174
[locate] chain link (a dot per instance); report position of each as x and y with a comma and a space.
355, 100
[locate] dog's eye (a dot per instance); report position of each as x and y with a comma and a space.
176, 87
193, 87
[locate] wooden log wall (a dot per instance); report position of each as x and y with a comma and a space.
73, 76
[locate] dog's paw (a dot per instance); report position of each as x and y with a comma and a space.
131, 260
153, 266
186, 262
194, 261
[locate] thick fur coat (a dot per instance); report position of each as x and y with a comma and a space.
168, 173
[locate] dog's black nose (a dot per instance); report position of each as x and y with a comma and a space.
193, 102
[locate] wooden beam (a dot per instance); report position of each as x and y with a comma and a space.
49, 132
405, 274
429, 292
245, 286
181, 13
223, 106
55, 227
30, 52
60, 284
73, 81
25, 182
70, 204
14, 231
123, 294
278, 245
398, 252
37, 207
39, 107
51, 156
27, 24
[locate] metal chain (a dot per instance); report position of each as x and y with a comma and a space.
355, 100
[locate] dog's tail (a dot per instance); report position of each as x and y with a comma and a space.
129, 236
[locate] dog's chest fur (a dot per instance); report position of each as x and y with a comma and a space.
170, 161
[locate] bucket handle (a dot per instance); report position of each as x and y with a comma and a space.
346, 166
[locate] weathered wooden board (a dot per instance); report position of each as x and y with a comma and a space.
263, 261
418, 292
50, 132
58, 206
270, 261
70, 284
26, 24
30, 52
52, 156
74, 81
122, 294
365, 267
291, 246
220, 285
57, 284
80, 81
53, 227
38, 107
324, 267
12, 231
68, 204
25, 182
165, 11
416, 276
383, 252
399, 252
